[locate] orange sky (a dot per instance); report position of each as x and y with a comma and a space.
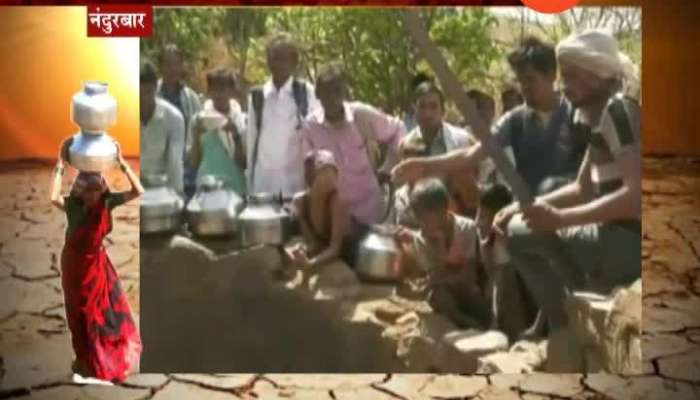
45, 56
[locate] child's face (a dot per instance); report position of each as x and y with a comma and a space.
220, 95
434, 225
484, 220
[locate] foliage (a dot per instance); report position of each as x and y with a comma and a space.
623, 22
189, 28
378, 56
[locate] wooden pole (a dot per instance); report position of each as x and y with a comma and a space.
453, 89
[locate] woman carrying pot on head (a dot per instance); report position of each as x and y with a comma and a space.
325, 223
105, 339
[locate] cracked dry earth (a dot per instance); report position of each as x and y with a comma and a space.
35, 346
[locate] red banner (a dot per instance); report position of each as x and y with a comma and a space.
119, 20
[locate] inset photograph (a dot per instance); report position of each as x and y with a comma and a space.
450, 190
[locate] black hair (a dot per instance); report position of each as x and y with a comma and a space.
510, 90
330, 72
148, 73
495, 196
535, 53
282, 39
420, 78
428, 87
481, 98
429, 195
170, 48
222, 77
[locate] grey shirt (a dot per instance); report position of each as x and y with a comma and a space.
540, 149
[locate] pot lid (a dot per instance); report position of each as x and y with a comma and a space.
95, 87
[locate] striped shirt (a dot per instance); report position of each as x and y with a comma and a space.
617, 132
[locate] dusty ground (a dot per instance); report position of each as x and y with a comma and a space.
35, 351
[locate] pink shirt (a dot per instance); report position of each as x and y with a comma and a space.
358, 183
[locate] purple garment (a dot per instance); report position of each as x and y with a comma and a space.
358, 185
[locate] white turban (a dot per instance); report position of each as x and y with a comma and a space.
594, 50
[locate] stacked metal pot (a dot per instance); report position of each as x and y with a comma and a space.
94, 110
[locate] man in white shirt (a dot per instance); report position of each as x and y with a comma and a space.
275, 115
162, 132
173, 88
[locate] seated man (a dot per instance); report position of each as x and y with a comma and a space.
220, 152
323, 215
352, 132
587, 234
443, 255
327, 252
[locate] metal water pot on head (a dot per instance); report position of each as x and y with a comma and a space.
378, 256
265, 220
94, 110
161, 206
214, 209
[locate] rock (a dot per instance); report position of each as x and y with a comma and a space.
622, 351
454, 386
177, 390
460, 350
523, 357
587, 313
562, 385
641, 388
603, 333
682, 367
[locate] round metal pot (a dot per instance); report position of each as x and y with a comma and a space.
378, 255
94, 109
92, 152
265, 220
213, 210
161, 207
